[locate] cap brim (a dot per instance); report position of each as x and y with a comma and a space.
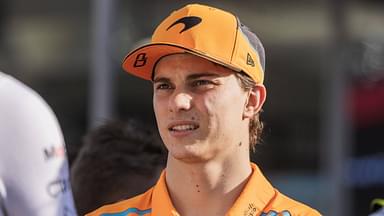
141, 61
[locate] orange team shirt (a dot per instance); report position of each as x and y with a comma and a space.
258, 198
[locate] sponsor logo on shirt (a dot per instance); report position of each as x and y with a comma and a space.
53, 152
275, 213
57, 187
251, 210
135, 211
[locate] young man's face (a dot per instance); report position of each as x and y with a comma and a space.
199, 107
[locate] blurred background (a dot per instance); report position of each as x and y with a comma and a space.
324, 117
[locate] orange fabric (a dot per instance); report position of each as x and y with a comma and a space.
205, 31
257, 198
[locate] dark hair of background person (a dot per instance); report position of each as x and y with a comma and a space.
118, 160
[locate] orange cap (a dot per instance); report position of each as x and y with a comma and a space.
201, 30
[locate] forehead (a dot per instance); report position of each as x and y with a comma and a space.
183, 64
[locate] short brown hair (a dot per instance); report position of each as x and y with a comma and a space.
247, 83
255, 124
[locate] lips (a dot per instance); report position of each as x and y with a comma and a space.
182, 127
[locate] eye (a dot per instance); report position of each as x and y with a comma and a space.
163, 86
202, 83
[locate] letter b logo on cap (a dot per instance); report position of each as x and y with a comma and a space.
141, 60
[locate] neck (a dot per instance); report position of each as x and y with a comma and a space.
208, 187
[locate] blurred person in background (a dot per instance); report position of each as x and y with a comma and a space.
118, 160
207, 70
33, 163
377, 207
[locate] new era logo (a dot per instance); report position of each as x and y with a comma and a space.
250, 60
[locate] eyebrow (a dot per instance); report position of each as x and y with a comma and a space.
189, 77
161, 79
198, 75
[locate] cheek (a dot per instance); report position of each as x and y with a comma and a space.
225, 110
225, 103
215, 111
158, 105
209, 105
160, 111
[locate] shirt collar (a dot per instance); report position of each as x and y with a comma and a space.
256, 195
161, 201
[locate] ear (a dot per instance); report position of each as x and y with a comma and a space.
255, 101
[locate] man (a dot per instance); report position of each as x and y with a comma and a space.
207, 71
117, 161
33, 163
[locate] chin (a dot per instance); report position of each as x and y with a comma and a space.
188, 155
190, 159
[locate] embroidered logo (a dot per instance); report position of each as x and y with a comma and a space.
188, 21
275, 213
251, 210
128, 211
141, 60
250, 60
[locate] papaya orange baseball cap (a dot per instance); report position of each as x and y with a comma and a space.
204, 31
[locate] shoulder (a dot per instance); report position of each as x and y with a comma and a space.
19, 99
14, 90
21, 105
289, 207
140, 204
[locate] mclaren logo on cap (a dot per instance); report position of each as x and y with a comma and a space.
188, 21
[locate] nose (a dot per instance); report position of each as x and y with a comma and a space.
180, 102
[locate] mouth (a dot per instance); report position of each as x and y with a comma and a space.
183, 127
